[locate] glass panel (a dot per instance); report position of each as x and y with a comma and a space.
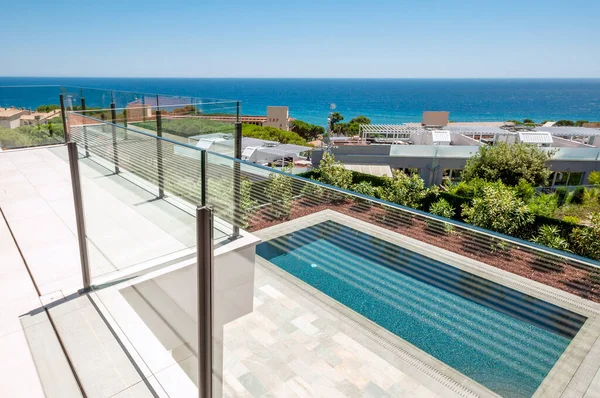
140, 194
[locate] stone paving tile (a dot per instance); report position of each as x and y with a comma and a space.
290, 346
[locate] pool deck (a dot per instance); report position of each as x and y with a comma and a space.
576, 374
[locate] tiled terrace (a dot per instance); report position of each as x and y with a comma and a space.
294, 344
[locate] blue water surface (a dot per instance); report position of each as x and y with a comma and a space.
501, 338
382, 100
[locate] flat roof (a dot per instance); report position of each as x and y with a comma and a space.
570, 131
535, 137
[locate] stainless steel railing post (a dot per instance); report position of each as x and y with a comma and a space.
85, 137
159, 156
79, 215
205, 259
237, 181
63, 114
113, 115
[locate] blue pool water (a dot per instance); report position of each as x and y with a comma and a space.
501, 338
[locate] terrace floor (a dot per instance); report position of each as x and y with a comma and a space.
293, 344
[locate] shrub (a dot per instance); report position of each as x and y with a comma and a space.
364, 188
498, 209
578, 195
586, 241
442, 208
279, 195
334, 173
549, 235
469, 189
404, 190
528, 121
594, 178
509, 163
571, 219
561, 196
543, 205
525, 190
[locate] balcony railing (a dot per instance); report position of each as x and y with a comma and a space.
516, 308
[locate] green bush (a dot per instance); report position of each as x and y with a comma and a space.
571, 219
543, 205
549, 235
404, 190
334, 173
509, 164
442, 208
594, 178
364, 188
586, 241
578, 195
525, 190
498, 209
561, 196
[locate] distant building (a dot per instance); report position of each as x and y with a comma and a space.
10, 118
33, 118
278, 117
441, 153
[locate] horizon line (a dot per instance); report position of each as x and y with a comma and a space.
291, 77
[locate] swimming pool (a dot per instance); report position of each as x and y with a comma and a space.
503, 339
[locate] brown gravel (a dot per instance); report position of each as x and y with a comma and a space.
549, 270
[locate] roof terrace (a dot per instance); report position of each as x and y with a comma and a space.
311, 290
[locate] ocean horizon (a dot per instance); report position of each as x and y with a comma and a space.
383, 100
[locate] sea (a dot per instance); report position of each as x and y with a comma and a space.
382, 100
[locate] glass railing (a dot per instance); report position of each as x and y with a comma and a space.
345, 294
348, 286
159, 181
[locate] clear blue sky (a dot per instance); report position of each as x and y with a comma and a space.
306, 38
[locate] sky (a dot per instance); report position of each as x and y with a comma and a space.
302, 38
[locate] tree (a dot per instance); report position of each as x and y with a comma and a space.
528, 121
499, 209
335, 118
306, 130
509, 164
564, 123
580, 123
361, 120
352, 127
